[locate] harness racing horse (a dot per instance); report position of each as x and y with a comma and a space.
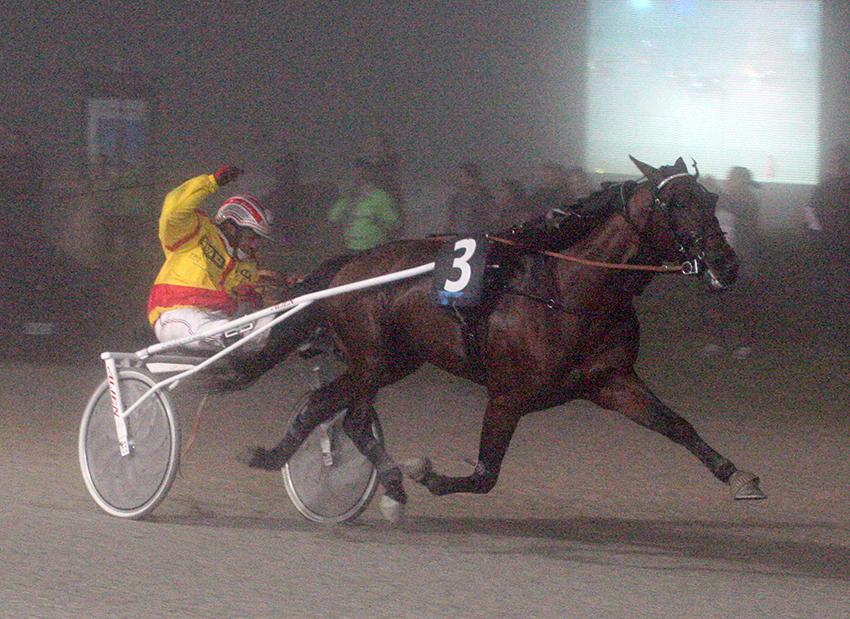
554, 330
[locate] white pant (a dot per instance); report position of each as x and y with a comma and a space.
178, 323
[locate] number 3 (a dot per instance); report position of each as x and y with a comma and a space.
462, 263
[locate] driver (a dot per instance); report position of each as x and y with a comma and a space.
210, 274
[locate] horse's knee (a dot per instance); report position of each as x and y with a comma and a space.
314, 413
336, 395
300, 427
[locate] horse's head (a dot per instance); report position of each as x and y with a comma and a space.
682, 224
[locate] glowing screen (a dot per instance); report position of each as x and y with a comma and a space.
725, 82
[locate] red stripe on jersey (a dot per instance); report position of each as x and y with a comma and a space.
170, 295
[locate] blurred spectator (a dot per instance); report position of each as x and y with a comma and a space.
577, 185
828, 218
727, 315
386, 165
386, 170
122, 206
511, 205
290, 198
369, 215
469, 208
738, 208
552, 192
726, 322
24, 270
425, 206
726, 318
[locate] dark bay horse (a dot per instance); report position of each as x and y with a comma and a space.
554, 330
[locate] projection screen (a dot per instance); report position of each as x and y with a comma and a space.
725, 82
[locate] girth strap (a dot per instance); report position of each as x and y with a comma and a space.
470, 322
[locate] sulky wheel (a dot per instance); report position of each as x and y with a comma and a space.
129, 486
328, 479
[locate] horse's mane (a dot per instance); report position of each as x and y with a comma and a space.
570, 223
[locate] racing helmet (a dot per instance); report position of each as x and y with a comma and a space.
245, 211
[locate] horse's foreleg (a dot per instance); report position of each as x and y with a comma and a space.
323, 404
500, 422
629, 395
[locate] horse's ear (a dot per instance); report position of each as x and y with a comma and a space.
680, 165
647, 170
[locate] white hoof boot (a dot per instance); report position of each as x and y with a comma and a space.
392, 510
416, 468
745, 486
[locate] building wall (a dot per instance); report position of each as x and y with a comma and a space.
500, 83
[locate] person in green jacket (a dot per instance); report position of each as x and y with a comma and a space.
369, 216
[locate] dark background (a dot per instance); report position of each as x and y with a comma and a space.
501, 83
495, 81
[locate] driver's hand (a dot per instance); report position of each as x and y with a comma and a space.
248, 295
227, 173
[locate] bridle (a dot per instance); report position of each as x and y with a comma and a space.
691, 246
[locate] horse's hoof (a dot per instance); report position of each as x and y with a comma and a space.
416, 468
392, 510
247, 455
745, 486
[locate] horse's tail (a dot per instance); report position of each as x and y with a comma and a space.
287, 335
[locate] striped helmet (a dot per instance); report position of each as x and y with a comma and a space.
245, 211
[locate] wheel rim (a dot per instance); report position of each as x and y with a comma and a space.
127, 484
336, 493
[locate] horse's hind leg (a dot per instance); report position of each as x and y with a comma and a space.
324, 403
375, 369
629, 395
358, 426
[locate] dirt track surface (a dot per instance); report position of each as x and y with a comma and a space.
592, 517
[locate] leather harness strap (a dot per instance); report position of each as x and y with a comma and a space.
661, 268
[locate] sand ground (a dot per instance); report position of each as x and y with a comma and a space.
592, 517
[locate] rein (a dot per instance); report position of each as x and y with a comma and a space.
685, 268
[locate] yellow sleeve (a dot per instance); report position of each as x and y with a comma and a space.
178, 219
